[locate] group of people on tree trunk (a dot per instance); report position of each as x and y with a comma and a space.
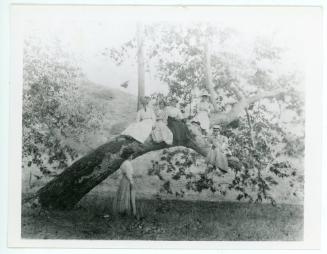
166, 125
162, 125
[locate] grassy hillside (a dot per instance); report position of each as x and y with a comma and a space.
120, 108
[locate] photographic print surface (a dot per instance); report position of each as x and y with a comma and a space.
164, 123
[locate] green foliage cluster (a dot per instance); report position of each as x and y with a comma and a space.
57, 116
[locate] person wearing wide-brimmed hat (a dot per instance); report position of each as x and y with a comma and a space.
141, 129
160, 132
202, 111
174, 121
217, 153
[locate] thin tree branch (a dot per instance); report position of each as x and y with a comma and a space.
239, 107
250, 128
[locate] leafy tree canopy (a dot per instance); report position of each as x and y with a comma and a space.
268, 139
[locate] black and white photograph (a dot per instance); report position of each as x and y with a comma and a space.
174, 123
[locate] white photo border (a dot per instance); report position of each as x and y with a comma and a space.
312, 180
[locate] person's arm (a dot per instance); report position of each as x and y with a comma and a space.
165, 115
179, 114
196, 109
129, 172
210, 108
167, 111
153, 116
138, 116
223, 142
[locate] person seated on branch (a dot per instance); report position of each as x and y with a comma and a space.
160, 131
219, 148
181, 133
202, 112
145, 120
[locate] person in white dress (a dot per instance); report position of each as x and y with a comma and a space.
219, 149
160, 132
145, 120
202, 112
124, 203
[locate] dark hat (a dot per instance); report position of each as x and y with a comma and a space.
173, 99
216, 127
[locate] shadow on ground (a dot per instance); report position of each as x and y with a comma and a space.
167, 220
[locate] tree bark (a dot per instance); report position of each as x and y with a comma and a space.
239, 108
64, 191
207, 58
140, 64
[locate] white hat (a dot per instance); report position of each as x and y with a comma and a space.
205, 93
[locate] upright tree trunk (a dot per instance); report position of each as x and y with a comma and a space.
140, 63
207, 61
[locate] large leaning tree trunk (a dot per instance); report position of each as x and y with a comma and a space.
65, 191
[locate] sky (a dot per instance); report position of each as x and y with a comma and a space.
86, 31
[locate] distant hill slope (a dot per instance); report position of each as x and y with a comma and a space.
120, 108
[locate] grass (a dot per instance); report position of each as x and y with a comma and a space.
167, 220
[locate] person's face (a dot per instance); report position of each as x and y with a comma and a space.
173, 103
144, 103
161, 105
215, 132
204, 98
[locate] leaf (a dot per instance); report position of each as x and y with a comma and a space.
239, 197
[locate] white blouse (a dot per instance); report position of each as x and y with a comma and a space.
204, 106
220, 141
127, 169
174, 112
161, 114
143, 115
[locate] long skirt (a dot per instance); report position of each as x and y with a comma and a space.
139, 130
124, 197
161, 133
203, 118
181, 133
217, 158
